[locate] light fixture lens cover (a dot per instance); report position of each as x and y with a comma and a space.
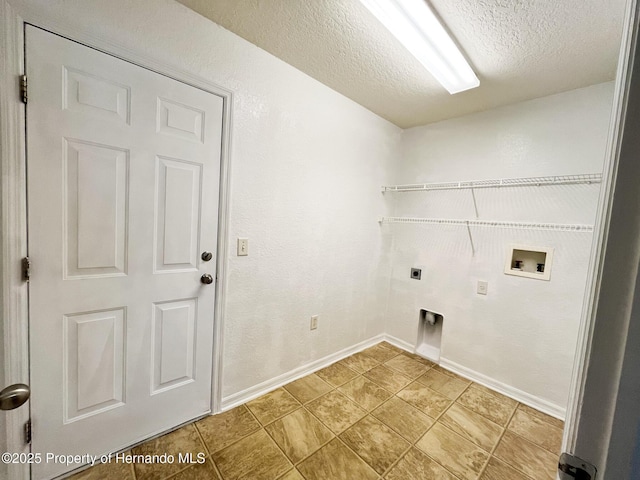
414, 24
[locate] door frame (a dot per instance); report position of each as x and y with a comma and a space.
601, 231
604, 423
13, 216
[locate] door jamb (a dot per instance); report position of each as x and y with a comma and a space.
601, 232
13, 291
13, 226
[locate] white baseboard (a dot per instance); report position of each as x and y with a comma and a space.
512, 392
267, 386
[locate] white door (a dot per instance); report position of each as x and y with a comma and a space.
123, 176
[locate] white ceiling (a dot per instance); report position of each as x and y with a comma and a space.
519, 49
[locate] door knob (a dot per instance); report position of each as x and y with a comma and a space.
13, 396
206, 256
206, 279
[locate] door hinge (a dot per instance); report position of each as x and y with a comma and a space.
27, 433
26, 269
571, 467
23, 88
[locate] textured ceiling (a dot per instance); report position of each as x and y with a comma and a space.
519, 49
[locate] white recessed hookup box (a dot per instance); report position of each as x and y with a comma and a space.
530, 262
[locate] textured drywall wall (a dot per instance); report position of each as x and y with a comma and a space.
523, 333
306, 167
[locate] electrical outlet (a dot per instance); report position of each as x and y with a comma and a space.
243, 247
482, 287
314, 322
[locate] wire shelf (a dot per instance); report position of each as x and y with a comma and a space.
585, 178
561, 227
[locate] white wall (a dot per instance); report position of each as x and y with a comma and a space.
306, 167
523, 333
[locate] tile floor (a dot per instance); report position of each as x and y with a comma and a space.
379, 414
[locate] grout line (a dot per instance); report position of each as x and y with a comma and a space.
277, 418
262, 427
368, 412
495, 447
542, 419
397, 460
206, 447
453, 402
534, 443
356, 453
279, 448
302, 406
193, 425
241, 438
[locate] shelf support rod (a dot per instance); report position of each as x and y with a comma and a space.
475, 205
473, 248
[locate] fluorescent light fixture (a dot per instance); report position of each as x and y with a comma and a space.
414, 24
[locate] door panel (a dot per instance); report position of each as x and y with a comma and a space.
178, 229
174, 344
123, 174
95, 186
93, 345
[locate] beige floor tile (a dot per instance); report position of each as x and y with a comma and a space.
415, 465
256, 457
527, 457
359, 362
403, 418
387, 378
307, 388
472, 426
365, 393
292, 475
205, 471
221, 430
380, 353
496, 408
393, 348
537, 431
336, 374
183, 440
542, 416
273, 405
418, 358
460, 456
408, 366
444, 371
447, 385
336, 411
334, 461
498, 395
424, 399
107, 471
375, 443
454, 388
299, 434
434, 379
496, 470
